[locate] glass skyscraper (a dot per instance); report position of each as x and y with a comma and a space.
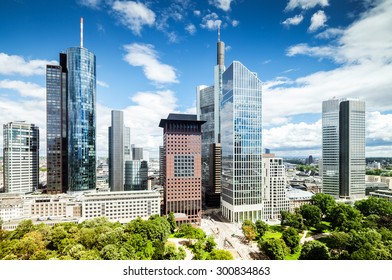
343, 155
81, 119
71, 122
241, 140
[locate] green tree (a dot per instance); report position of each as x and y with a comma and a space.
249, 230
314, 250
261, 228
172, 221
210, 243
311, 214
274, 249
110, 252
374, 205
218, 254
345, 217
172, 253
294, 220
291, 237
23, 227
323, 201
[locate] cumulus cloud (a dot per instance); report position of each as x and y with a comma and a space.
191, 28
17, 65
25, 89
293, 21
145, 56
134, 15
211, 22
305, 4
235, 23
221, 4
330, 33
30, 110
318, 20
142, 117
196, 12
379, 127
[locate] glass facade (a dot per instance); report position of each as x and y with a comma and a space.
241, 140
136, 175
81, 68
344, 148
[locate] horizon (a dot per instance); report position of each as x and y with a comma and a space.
152, 56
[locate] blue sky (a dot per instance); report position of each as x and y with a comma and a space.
151, 55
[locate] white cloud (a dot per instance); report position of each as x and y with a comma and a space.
196, 12
31, 111
191, 28
235, 23
221, 4
318, 20
211, 22
330, 33
305, 4
294, 20
91, 3
293, 136
17, 65
102, 84
145, 56
142, 117
25, 89
379, 127
134, 15
321, 52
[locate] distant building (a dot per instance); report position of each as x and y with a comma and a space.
119, 151
298, 198
274, 188
21, 157
343, 148
137, 153
136, 175
182, 167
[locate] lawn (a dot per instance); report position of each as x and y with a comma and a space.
294, 256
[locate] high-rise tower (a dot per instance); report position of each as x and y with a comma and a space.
21, 157
343, 155
208, 109
74, 91
241, 140
182, 167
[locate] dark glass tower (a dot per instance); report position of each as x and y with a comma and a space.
71, 121
56, 123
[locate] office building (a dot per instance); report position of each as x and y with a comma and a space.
21, 157
208, 109
56, 126
119, 151
182, 167
136, 175
241, 140
71, 114
343, 148
137, 153
274, 187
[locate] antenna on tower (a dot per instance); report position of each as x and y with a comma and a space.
81, 32
219, 31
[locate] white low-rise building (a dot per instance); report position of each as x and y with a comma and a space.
121, 206
298, 198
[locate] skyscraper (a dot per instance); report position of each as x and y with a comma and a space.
182, 167
119, 151
136, 175
274, 187
241, 140
20, 157
343, 155
137, 153
74, 91
208, 109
